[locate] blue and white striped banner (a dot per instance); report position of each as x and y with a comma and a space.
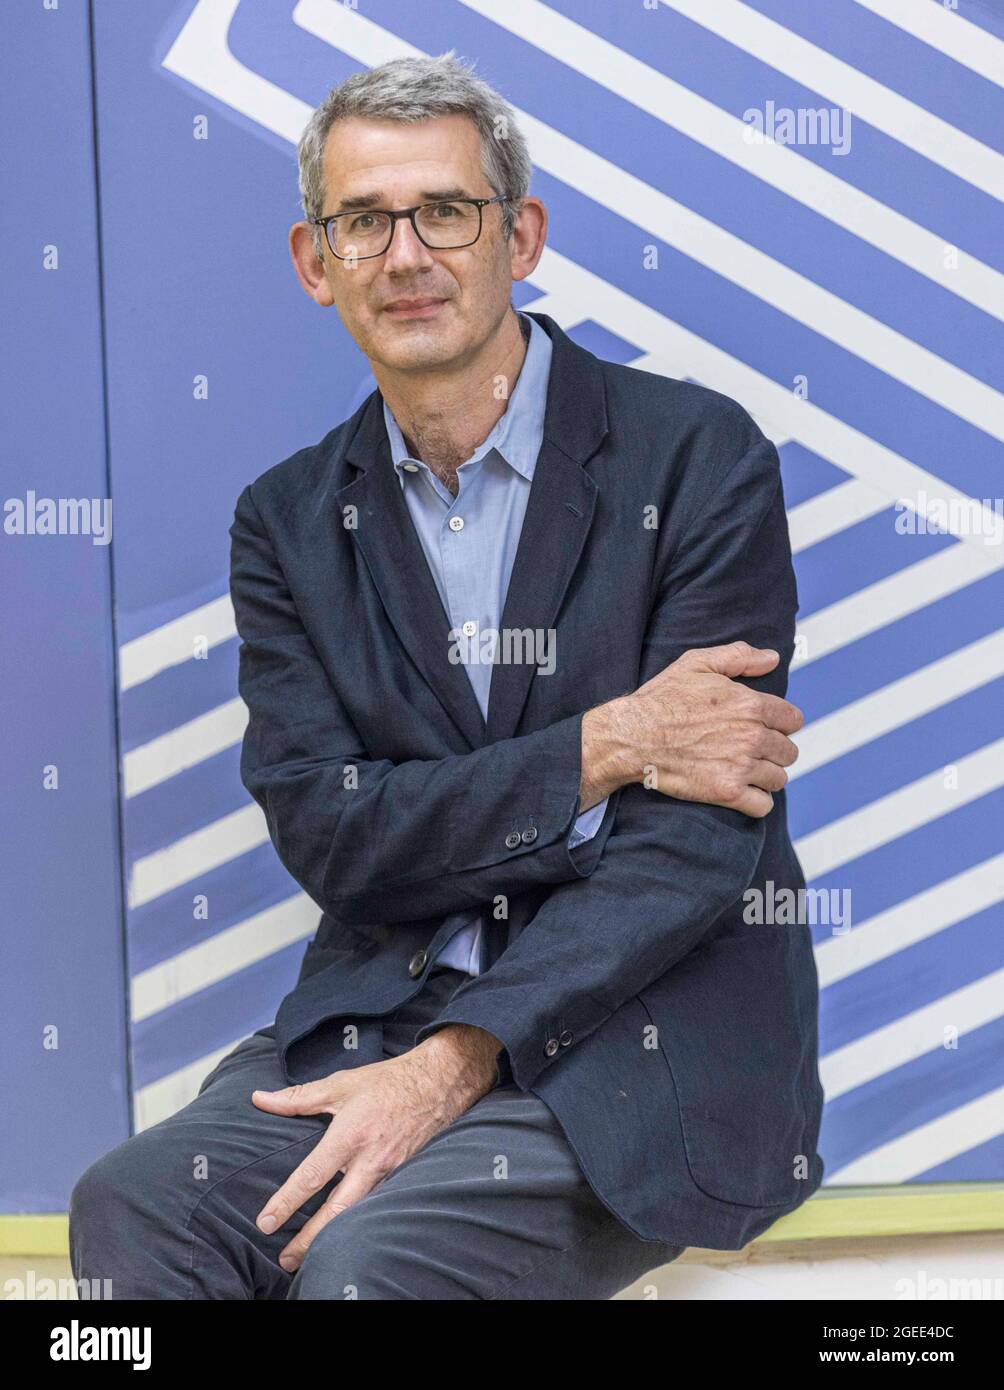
793, 203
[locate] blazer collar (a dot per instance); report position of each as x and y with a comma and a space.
558, 516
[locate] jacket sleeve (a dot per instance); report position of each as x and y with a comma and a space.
669, 867
369, 840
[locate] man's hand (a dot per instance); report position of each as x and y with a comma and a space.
691, 732
382, 1114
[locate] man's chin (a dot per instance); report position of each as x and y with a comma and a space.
412, 344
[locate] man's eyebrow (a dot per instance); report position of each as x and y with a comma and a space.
443, 195
428, 195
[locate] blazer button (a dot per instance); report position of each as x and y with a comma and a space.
529, 835
551, 1047
512, 840
417, 964
565, 1038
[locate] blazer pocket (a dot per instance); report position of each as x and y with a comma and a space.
736, 1023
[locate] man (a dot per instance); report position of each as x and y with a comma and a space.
515, 640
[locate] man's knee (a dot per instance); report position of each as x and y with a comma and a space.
101, 1188
359, 1255
129, 1214
125, 1186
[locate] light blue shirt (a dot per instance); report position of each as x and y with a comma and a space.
470, 543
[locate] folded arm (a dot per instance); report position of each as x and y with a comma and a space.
669, 867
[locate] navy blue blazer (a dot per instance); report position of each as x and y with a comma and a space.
675, 1041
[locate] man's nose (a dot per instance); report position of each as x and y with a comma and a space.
406, 251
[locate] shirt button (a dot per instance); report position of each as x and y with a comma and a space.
469, 629
530, 835
512, 840
410, 467
565, 1038
551, 1047
417, 964
456, 523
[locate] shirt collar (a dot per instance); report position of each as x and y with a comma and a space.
517, 434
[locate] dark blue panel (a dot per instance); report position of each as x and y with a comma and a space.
61, 974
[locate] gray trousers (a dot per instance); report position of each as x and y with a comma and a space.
493, 1207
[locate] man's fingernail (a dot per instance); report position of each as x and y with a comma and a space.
267, 1224
287, 1262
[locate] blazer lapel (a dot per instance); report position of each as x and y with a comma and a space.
558, 517
396, 561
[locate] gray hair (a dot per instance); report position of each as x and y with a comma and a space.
417, 89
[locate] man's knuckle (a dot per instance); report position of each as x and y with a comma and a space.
751, 739
312, 1176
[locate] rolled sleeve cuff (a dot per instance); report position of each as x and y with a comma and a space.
560, 852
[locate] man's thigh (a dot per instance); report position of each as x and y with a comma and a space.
170, 1213
494, 1207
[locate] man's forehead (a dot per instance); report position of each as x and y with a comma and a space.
358, 147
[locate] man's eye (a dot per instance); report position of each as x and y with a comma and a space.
363, 222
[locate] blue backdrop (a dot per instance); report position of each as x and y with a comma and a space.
843, 278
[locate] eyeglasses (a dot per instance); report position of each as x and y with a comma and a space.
444, 226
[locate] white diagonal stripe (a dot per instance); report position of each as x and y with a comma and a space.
914, 1035
946, 30
197, 853
673, 350
901, 811
201, 54
200, 738
169, 1094
830, 512
929, 1145
913, 920
703, 241
223, 955
896, 704
172, 643
903, 120
887, 600
778, 165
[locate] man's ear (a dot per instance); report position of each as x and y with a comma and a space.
526, 246
309, 270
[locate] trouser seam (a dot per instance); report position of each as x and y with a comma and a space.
262, 1158
193, 1235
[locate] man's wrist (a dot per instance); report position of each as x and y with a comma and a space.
468, 1055
610, 759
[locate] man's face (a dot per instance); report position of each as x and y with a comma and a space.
470, 287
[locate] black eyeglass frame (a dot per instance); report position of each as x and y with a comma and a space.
479, 203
